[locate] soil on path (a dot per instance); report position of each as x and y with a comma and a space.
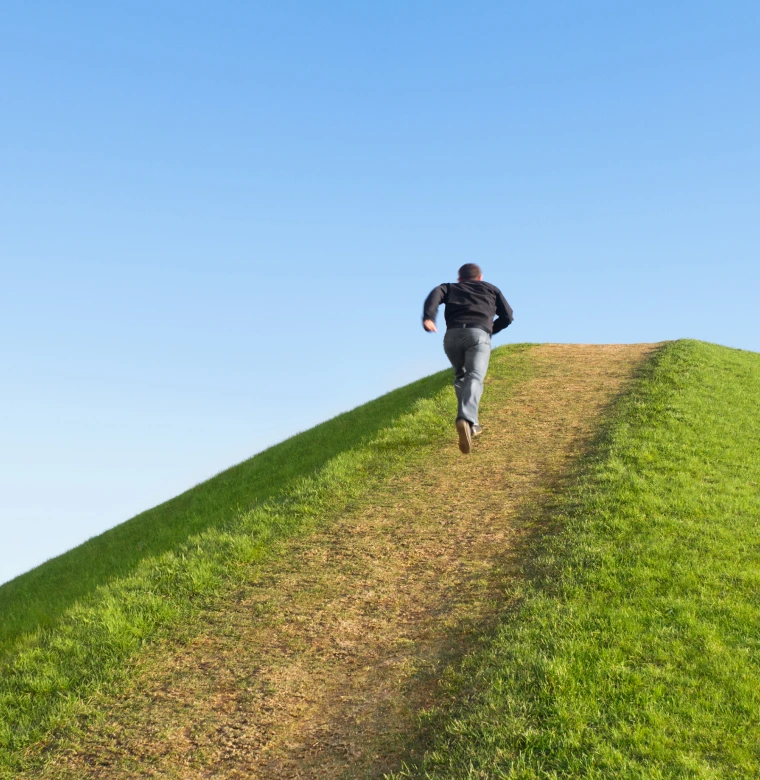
320, 668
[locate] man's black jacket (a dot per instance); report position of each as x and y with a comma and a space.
474, 304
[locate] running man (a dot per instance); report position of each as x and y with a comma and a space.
471, 305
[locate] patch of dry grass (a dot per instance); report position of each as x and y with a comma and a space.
320, 666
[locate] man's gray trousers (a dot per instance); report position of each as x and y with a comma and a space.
469, 350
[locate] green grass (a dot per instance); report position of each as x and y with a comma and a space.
72, 626
635, 649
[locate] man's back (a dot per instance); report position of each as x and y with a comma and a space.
472, 302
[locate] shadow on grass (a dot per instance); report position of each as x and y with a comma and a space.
38, 598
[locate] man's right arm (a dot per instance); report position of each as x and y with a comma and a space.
432, 302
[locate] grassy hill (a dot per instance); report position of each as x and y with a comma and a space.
605, 572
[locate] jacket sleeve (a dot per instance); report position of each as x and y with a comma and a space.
433, 301
505, 315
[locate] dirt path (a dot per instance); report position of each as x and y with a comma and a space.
319, 669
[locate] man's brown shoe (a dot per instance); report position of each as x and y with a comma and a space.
464, 429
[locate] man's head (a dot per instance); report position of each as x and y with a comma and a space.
470, 272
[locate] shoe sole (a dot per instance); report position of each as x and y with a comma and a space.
465, 437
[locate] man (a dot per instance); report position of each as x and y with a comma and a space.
471, 305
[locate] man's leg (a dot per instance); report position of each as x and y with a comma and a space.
455, 349
476, 358
455, 344
468, 350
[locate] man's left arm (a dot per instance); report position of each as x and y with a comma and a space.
505, 316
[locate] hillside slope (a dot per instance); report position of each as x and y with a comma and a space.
313, 660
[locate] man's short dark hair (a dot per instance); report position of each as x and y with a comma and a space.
469, 271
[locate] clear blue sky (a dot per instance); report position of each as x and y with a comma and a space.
219, 220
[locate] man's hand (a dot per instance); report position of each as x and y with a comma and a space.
429, 326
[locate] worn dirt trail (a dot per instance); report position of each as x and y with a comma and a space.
319, 669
